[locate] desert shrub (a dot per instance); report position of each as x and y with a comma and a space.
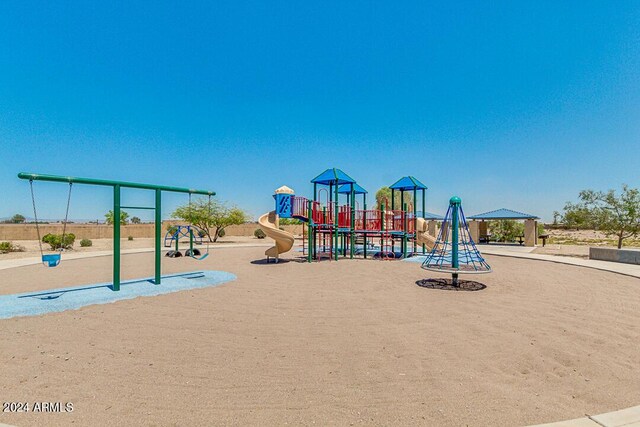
259, 233
85, 243
55, 240
6, 247
221, 232
202, 234
541, 229
130, 238
506, 230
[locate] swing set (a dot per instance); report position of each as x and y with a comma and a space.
187, 231
53, 260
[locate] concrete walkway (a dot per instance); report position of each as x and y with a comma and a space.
516, 252
629, 417
21, 262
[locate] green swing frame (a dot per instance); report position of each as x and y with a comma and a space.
117, 189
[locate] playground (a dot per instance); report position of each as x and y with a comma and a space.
354, 341
228, 334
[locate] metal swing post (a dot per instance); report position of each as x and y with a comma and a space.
158, 237
116, 237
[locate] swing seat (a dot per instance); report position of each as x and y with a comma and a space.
195, 254
200, 258
51, 260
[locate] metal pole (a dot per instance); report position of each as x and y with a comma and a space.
424, 216
353, 219
158, 226
404, 235
455, 204
415, 220
116, 237
309, 229
364, 226
335, 219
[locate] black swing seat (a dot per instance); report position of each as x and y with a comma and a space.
192, 252
174, 254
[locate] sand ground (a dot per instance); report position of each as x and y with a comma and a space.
342, 343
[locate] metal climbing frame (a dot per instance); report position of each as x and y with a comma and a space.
117, 186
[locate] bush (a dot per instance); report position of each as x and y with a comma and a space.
259, 233
541, 229
6, 247
85, 243
221, 233
202, 234
130, 238
55, 240
506, 230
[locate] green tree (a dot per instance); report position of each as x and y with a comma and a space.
124, 217
383, 195
578, 216
135, 220
616, 215
211, 217
506, 230
18, 219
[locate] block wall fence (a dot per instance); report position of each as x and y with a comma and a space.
102, 231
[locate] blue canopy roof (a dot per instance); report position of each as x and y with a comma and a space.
408, 183
333, 176
431, 216
346, 189
503, 213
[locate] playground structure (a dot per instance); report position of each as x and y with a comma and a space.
351, 229
455, 251
270, 223
117, 189
177, 232
190, 232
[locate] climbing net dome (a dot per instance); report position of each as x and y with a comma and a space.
455, 251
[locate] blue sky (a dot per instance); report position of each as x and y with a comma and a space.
506, 104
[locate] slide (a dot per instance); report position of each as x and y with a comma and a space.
284, 240
422, 234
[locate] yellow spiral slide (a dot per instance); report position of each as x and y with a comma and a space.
284, 240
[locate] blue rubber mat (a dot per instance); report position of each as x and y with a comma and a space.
56, 300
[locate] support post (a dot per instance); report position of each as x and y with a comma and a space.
309, 229
364, 226
405, 242
455, 204
335, 219
158, 236
415, 220
116, 237
353, 220
424, 216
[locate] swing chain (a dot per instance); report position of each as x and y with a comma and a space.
35, 216
66, 218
